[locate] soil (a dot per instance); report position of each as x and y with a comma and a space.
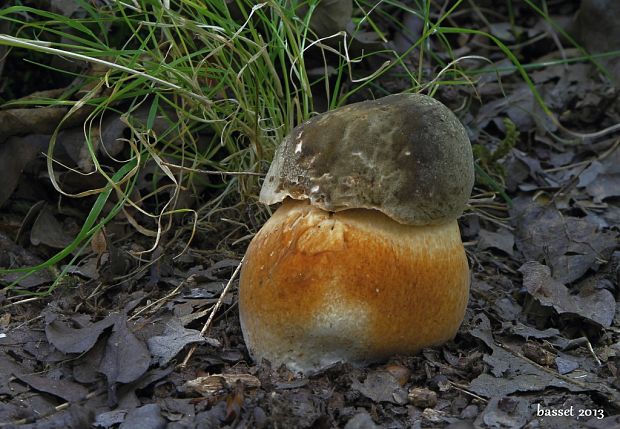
134, 337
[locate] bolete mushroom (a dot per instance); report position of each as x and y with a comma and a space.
364, 258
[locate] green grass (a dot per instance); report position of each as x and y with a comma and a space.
228, 88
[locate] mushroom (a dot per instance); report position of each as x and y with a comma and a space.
364, 258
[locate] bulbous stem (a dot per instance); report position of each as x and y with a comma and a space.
354, 286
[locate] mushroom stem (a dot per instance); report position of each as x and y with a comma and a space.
355, 286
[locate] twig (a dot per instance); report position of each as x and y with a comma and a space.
591, 350
463, 389
56, 409
610, 394
217, 306
158, 303
23, 301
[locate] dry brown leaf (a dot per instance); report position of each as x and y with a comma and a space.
211, 384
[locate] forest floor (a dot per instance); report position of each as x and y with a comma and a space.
539, 346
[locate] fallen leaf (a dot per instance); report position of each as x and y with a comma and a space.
86, 268
422, 397
8, 367
296, 409
176, 408
605, 186
86, 368
66, 7
511, 373
98, 243
361, 420
110, 418
413, 25
126, 358
15, 154
569, 245
597, 305
601, 179
106, 139
39, 120
502, 240
175, 338
329, 17
565, 365
211, 418
49, 231
534, 352
75, 340
596, 27
65, 389
551, 335
145, 417
400, 372
520, 106
42, 120
15, 256
206, 386
509, 412
588, 175
234, 402
381, 386
505, 31
211, 384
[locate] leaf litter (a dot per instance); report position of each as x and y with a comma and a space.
542, 327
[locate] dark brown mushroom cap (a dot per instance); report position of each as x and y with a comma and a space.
406, 155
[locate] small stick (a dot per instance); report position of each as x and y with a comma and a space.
40, 417
161, 301
591, 350
463, 389
217, 306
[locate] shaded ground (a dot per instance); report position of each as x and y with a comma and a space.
538, 349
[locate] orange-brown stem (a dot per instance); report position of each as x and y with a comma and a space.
356, 286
